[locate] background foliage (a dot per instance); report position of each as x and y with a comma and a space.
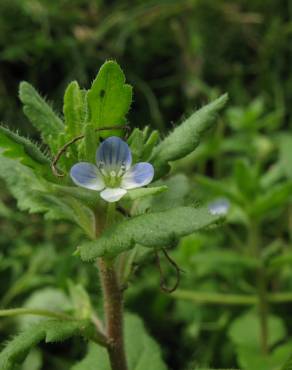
178, 54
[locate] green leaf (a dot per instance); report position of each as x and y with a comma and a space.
252, 359
33, 361
151, 230
136, 143
245, 331
45, 298
186, 137
81, 301
36, 195
273, 198
41, 115
74, 109
109, 98
149, 145
286, 153
22, 149
51, 331
144, 192
245, 334
223, 188
142, 351
288, 364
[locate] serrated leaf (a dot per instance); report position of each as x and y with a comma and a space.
22, 149
186, 137
109, 98
41, 115
142, 351
51, 331
151, 230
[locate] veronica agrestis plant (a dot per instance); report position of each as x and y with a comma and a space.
99, 158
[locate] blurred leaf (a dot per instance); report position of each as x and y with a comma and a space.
142, 351
246, 178
109, 98
46, 298
186, 137
245, 331
33, 361
253, 359
41, 115
152, 230
178, 188
145, 192
275, 197
81, 301
288, 364
223, 188
286, 153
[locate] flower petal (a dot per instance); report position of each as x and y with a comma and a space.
113, 194
219, 207
139, 175
87, 175
114, 153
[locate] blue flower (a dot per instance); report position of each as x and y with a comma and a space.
219, 207
114, 174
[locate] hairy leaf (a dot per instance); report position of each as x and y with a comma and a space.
51, 331
142, 351
186, 137
22, 149
109, 98
151, 230
35, 195
41, 115
74, 109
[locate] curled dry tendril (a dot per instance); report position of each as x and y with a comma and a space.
178, 271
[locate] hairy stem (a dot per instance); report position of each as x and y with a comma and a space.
113, 305
113, 310
261, 287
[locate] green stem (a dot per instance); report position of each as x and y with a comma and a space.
34, 311
113, 306
254, 243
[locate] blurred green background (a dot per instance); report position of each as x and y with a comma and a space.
178, 55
